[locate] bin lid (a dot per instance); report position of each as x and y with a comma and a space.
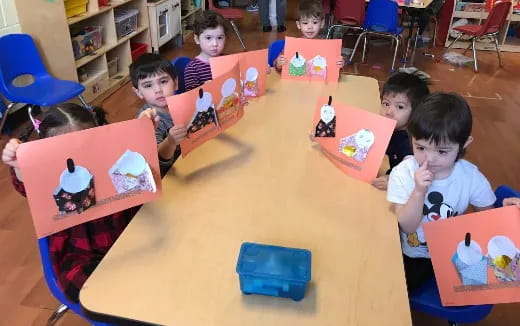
289, 264
122, 14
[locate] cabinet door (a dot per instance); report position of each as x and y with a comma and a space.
176, 17
164, 28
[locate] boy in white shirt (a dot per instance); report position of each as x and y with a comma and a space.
437, 183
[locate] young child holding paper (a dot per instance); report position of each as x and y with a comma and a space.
310, 21
210, 34
436, 183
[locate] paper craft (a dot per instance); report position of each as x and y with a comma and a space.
354, 140
132, 173
253, 70
75, 193
476, 257
196, 109
311, 59
88, 174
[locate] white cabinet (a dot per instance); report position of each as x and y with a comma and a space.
165, 21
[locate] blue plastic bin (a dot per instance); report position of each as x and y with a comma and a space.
273, 270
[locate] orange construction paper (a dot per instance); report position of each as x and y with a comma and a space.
96, 149
443, 237
309, 49
349, 121
251, 59
183, 108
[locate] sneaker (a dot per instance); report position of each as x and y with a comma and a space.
252, 8
281, 28
223, 4
267, 29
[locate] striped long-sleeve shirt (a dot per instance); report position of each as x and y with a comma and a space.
196, 73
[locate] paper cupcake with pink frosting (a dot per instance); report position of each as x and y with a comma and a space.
132, 173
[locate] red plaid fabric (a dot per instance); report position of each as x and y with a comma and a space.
76, 251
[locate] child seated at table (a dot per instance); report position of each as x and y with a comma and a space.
153, 79
210, 34
436, 183
401, 94
310, 21
76, 251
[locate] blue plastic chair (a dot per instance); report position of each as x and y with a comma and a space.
55, 289
179, 64
21, 57
274, 51
381, 20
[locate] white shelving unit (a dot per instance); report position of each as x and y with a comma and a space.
165, 22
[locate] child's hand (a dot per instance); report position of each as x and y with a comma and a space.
9, 153
423, 178
511, 201
381, 183
177, 134
151, 114
280, 62
341, 62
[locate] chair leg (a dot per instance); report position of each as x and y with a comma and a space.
414, 46
238, 33
355, 47
498, 50
435, 32
366, 39
4, 117
62, 309
395, 53
473, 40
453, 42
469, 47
84, 103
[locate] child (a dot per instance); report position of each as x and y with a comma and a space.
210, 33
311, 20
436, 183
400, 96
76, 251
154, 79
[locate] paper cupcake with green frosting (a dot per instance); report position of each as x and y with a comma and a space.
297, 65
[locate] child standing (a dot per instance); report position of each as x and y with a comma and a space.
401, 94
210, 34
436, 183
154, 79
311, 20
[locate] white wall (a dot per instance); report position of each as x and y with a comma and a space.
8, 17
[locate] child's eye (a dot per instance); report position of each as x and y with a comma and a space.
420, 148
400, 107
208, 38
164, 81
385, 103
221, 37
147, 85
443, 152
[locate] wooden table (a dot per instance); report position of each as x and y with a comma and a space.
262, 181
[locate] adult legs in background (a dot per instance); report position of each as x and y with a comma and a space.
263, 8
281, 13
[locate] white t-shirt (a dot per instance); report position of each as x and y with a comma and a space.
445, 198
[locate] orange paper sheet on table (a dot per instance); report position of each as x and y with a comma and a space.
208, 110
253, 70
309, 59
94, 152
354, 140
470, 275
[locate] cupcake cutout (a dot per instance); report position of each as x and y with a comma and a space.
75, 193
326, 127
297, 65
357, 145
204, 114
132, 173
317, 67
230, 101
503, 258
251, 82
471, 265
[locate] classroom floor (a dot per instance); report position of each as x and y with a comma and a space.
492, 94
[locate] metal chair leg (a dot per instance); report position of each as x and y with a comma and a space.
473, 40
498, 51
329, 31
84, 103
355, 47
4, 117
238, 33
435, 32
60, 311
453, 42
395, 53
366, 39
414, 47
469, 47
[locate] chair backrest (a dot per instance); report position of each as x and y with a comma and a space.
274, 51
496, 18
179, 64
382, 16
504, 192
350, 12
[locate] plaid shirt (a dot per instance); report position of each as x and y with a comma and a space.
76, 251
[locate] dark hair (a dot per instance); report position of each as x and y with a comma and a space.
70, 114
413, 87
206, 20
440, 118
310, 8
150, 64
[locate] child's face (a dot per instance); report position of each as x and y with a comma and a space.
154, 89
310, 27
396, 106
441, 157
212, 41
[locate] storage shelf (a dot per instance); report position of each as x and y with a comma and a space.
190, 13
91, 78
515, 17
470, 14
119, 78
77, 19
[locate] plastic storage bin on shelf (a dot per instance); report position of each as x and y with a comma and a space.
87, 41
112, 67
138, 49
97, 83
273, 270
75, 7
126, 21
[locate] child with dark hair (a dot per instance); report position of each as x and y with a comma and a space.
210, 34
154, 79
436, 183
76, 251
400, 96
